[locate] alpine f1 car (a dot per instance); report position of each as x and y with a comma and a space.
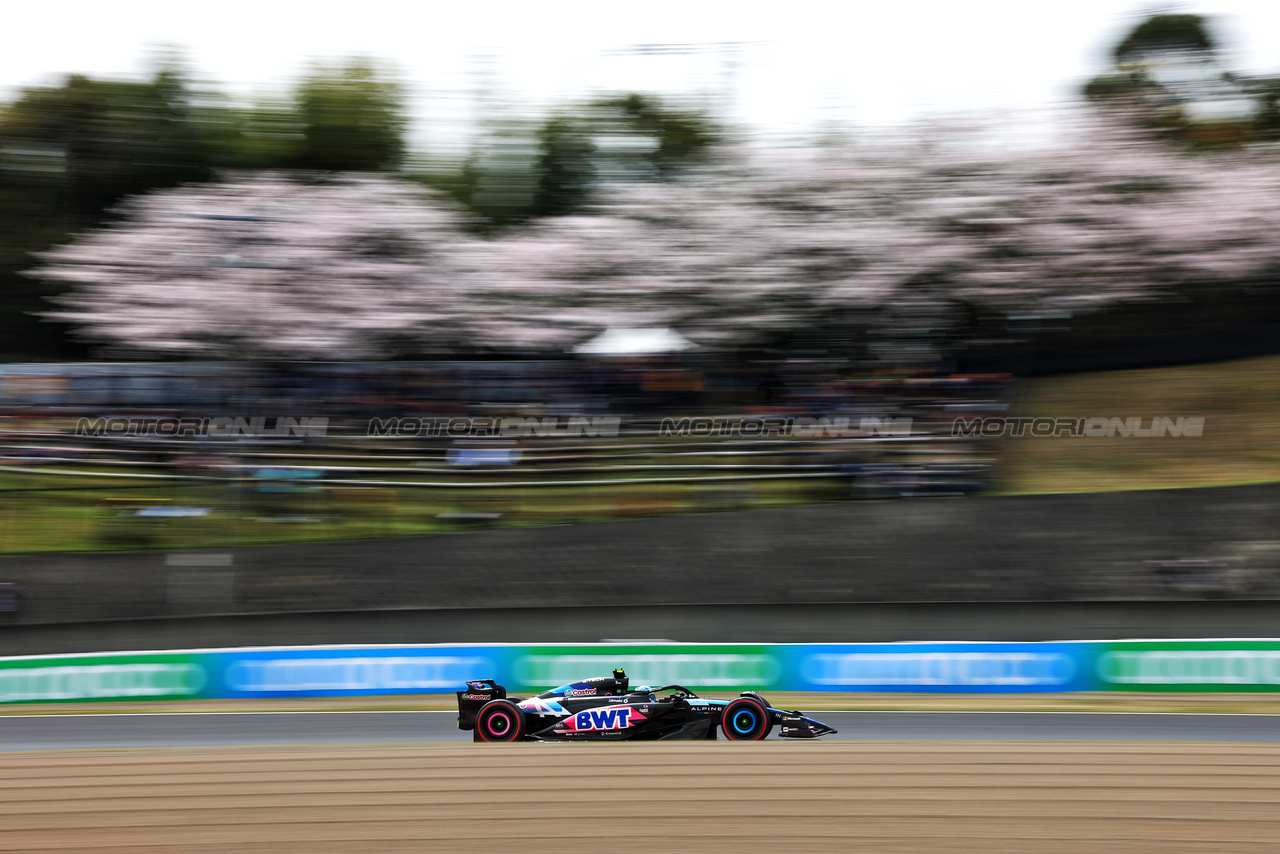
606, 708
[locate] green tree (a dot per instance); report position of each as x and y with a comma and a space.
68, 153
352, 118
95, 141
518, 172
1267, 91
566, 167
266, 136
1167, 74
680, 137
1164, 34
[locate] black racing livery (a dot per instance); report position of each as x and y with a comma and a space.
606, 708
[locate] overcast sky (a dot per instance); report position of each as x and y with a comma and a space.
779, 68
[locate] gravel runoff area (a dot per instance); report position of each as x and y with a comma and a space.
1100, 702
987, 797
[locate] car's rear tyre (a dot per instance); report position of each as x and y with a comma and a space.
500, 720
746, 719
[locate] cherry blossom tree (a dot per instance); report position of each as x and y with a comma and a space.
783, 241
759, 242
265, 267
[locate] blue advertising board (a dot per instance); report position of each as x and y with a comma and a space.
942, 667
1203, 665
350, 671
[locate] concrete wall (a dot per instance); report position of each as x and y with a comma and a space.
1100, 547
858, 622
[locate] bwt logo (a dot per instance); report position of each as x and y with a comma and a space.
1092, 428
799, 427
618, 717
221, 427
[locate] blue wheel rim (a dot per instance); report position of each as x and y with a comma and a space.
744, 721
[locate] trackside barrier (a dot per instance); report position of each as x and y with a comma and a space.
1200, 665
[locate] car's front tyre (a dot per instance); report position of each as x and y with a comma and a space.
746, 719
499, 720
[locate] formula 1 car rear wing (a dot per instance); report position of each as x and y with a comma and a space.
470, 701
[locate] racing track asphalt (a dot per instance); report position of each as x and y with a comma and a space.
188, 729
